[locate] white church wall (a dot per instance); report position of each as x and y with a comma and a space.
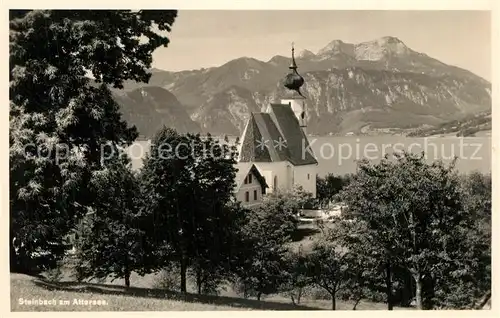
272, 170
305, 176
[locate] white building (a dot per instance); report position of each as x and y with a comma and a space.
275, 141
250, 184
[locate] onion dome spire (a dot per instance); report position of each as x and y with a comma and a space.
293, 66
293, 80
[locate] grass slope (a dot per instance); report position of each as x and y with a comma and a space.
79, 297
146, 296
117, 298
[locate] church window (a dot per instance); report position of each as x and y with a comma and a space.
250, 178
255, 194
275, 186
308, 176
247, 196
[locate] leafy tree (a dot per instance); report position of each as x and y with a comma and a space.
212, 264
301, 197
216, 214
414, 216
477, 188
187, 185
280, 210
327, 268
61, 122
262, 257
468, 283
364, 276
297, 280
288, 203
329, 186
109, 241
261, 254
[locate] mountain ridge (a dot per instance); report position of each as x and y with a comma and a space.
379, 84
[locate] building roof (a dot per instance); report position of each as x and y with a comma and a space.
275, 136
244, 168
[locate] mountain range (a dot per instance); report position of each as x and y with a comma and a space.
379, 86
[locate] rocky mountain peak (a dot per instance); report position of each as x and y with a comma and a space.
278, 59
305, 54
379, 48
335, 47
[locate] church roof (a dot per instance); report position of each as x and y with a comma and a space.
275, 136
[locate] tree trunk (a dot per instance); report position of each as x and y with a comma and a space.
407, 291
356, 303
388, 284
484, 301
127, 273
127, 279
334, 303
418, 291
13, 258
299, 295
258, 295
428, 292
198, 280
183, 274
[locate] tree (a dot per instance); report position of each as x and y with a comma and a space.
187, 185
261, 260
61, 123
329, 186
297, 279
110, 241
290, 201
214, 254
414, 216
260, 257
477, 188
468, 284
364, 275
216, 215
327, 268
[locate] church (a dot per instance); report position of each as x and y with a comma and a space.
274, 143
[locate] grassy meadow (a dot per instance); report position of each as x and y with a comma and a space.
145, 293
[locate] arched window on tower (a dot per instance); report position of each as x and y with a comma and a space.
275, 183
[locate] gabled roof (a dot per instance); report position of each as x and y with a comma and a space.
250, 150
289, 125
244, 168
275, 136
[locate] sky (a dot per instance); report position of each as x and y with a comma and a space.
213, 37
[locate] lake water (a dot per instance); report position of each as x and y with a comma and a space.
339, 155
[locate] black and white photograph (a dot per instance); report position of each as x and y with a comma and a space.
271, 160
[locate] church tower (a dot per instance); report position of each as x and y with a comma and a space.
275, 140
294, 98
